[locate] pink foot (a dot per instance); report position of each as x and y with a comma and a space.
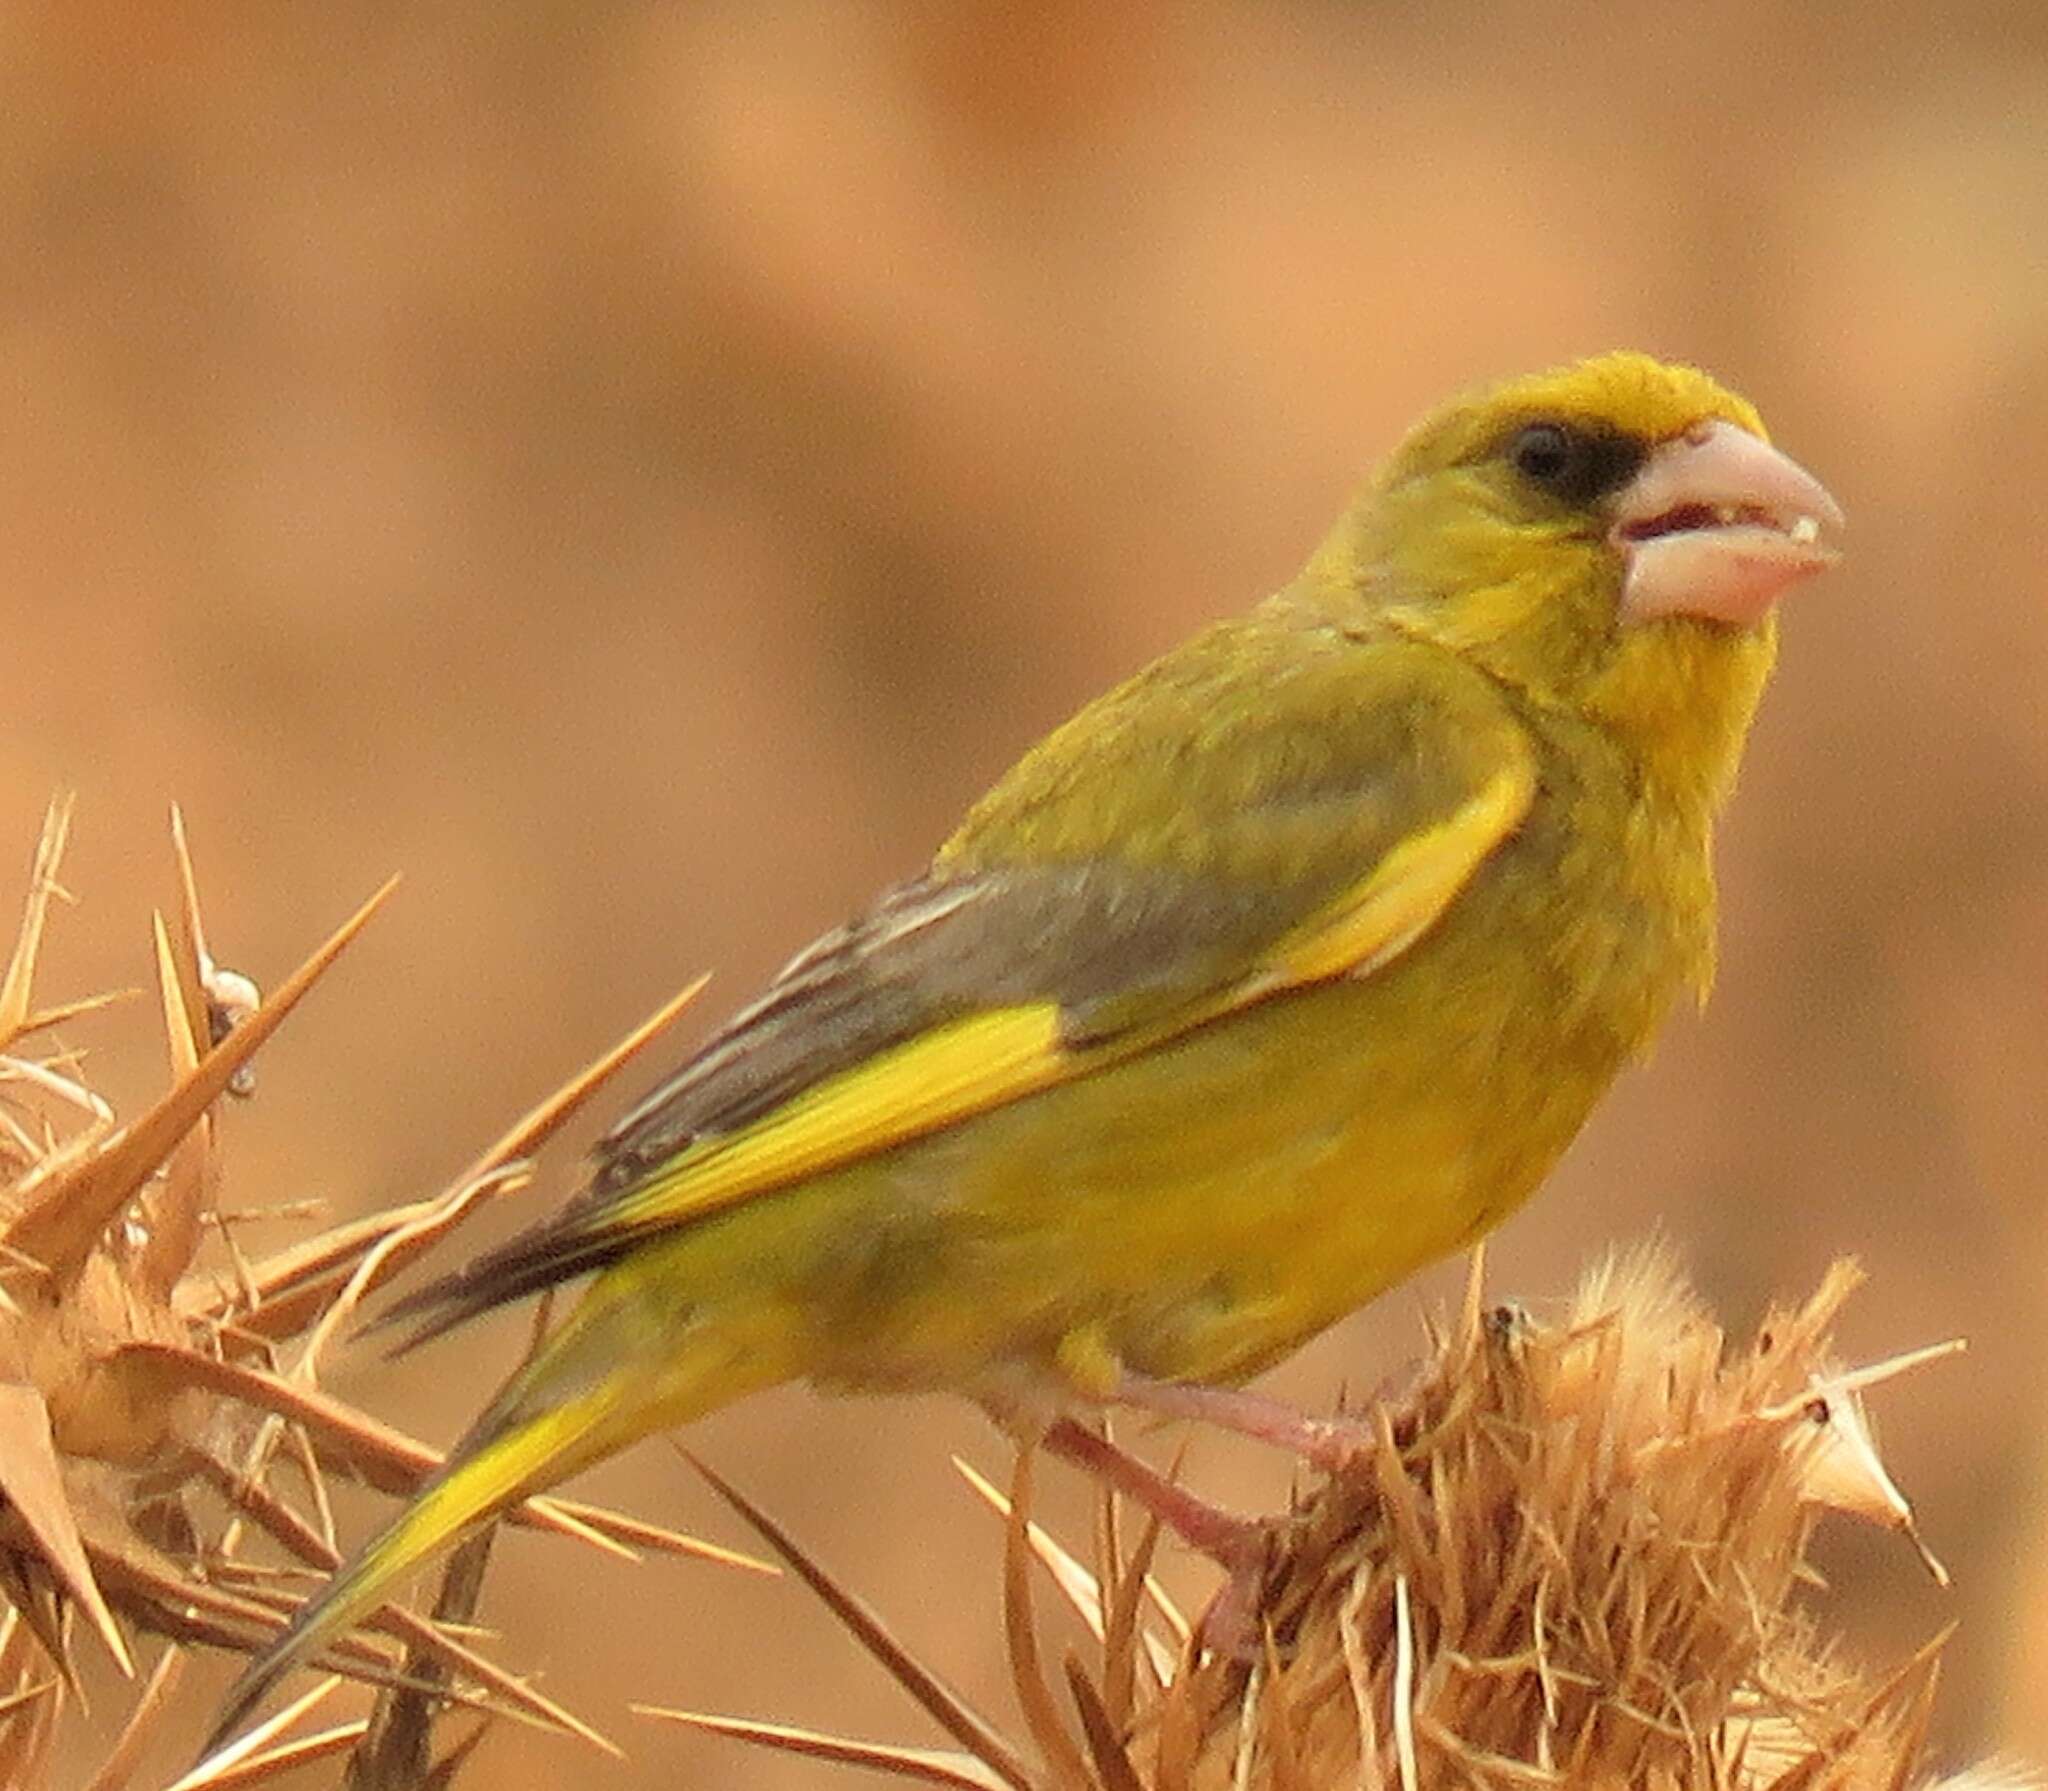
1332, 1444
1230, 1624
1237, 1544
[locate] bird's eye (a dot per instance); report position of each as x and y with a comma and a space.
1545, 454
1578, 466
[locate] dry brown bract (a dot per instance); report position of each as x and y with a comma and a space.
152, 1412
1569, 1559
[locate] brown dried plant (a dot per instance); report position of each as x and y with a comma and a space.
157, 1413
1569, 1554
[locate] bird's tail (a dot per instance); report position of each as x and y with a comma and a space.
599, 1383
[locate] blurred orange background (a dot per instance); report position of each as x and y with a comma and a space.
640, 471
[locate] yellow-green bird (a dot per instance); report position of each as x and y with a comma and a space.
1284, 968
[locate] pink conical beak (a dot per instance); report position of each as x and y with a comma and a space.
1719, 524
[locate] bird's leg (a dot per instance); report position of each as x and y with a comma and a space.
1331, 1444
1225, 1537
1089, 1365
1033, 1414
1236, 1544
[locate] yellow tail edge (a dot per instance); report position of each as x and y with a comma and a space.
531, 1454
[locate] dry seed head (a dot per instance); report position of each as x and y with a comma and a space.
1570, 1562
1578, 1558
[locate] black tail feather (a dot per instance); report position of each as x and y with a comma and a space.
529, 1264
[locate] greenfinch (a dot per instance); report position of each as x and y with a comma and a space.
1284, 968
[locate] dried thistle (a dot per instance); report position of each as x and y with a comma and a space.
154, 1413
1570, 1554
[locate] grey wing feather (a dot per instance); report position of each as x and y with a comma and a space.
1110, 945
1097, 940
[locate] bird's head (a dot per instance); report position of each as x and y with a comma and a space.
1611, 537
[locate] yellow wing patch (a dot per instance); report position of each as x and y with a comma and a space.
946, 1076
958, 1070
1409, 888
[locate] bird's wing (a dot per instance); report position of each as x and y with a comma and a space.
1009, 969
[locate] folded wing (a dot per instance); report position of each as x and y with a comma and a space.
1033, 953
